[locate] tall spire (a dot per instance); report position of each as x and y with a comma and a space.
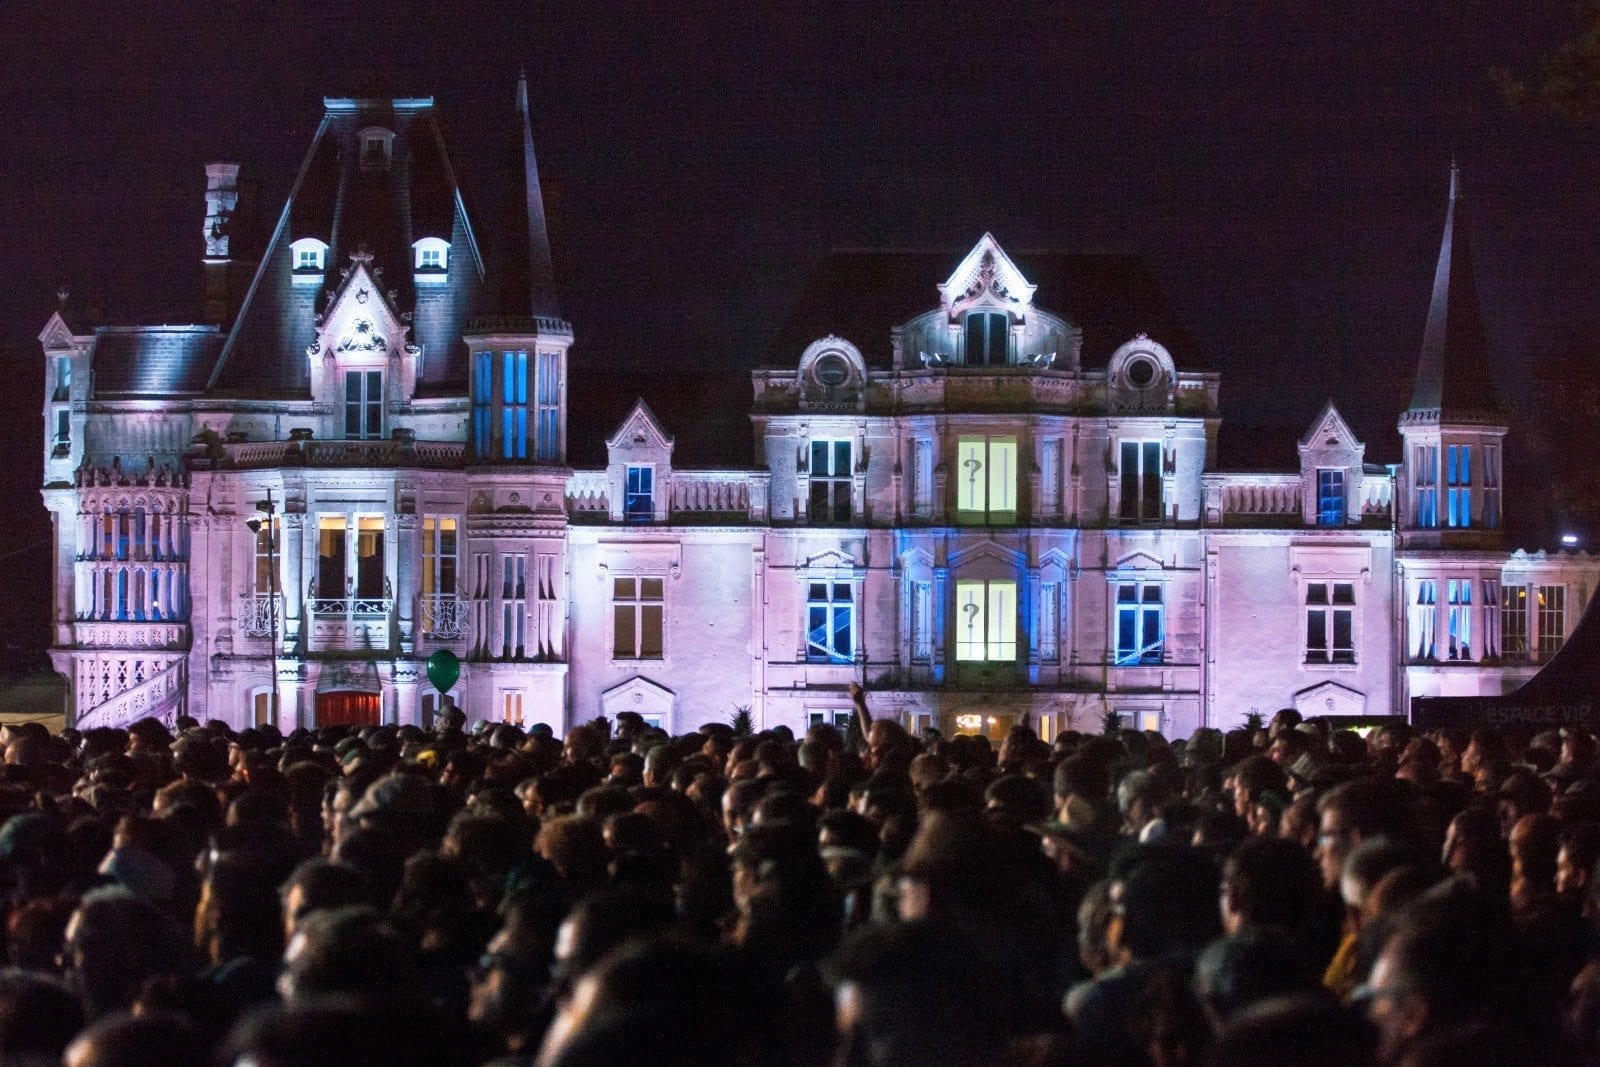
527, 283
1453, 378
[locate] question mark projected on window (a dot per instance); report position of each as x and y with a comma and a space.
973, 465
971, 608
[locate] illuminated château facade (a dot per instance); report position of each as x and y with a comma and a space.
989, 508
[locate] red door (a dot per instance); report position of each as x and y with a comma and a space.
345, 708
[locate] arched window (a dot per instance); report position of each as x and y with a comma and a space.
432, 255
988, 338
307, 258
122, 595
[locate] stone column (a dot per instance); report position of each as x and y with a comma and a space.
292, 578
407, 570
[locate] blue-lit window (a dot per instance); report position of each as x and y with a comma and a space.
514, 405
482, 384
638, 498
1140, 624
548, 444
1330, 497
988, 339
1425, 459
830, 622
1458, 476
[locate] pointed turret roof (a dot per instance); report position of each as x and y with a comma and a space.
1454, 382
526, 285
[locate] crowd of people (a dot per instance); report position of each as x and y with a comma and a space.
1285, 894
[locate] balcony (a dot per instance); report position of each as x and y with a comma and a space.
350, 623
443, 618
400, 451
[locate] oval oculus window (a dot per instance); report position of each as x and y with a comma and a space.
832, 371
1141, 372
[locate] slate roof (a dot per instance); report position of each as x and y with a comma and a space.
154, 360
861, 295
351, 206
1453, 375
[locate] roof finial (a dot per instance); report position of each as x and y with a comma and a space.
522, 89
1455, 177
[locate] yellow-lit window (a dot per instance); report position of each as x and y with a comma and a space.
986, 479
986, 622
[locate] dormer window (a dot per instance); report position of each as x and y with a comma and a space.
309, 257
988, 339
377, 147
432, 258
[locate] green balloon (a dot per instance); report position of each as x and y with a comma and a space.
443, 670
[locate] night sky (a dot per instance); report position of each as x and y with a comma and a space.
1282, 167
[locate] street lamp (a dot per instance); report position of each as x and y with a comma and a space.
271, 510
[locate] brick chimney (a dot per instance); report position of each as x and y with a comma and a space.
222, 202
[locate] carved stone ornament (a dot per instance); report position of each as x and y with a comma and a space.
365, 337
987, 281
406, 521
294, 520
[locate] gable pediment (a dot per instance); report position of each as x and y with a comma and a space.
831, 560
1330, 698
1008, 557
361, 322
640, 431
1133, 563
1330, 434
637, 694
57, 335
986, 277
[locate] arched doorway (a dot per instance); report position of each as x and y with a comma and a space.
346, 707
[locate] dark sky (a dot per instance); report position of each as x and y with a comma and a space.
1282, 166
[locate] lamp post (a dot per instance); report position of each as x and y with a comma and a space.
271, 510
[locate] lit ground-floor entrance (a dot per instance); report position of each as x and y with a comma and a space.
344, 707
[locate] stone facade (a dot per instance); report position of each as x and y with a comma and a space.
987, 510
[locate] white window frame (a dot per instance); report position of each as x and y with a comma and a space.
1423, 610
1426, 461
513, 704
1458, 621
989, 633
352, 555
1140, 606
1515, 633
431, 255
1321, 600
832, 605
1135, 513
308, 258
831, 483
547, 408
636, 602
367, 408
434, 557
1458, 475
648, 513
986, 479
1552, 618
